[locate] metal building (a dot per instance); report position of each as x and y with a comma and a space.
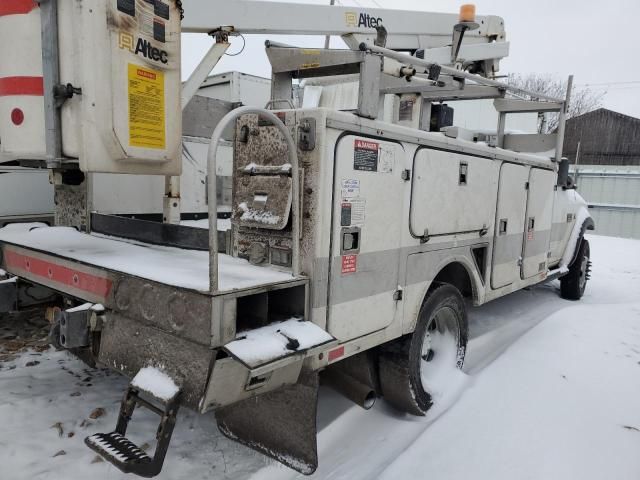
603, 137
606, 147
613, 195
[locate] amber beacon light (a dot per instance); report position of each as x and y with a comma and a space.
467, 13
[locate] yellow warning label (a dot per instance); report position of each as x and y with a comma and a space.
146, 108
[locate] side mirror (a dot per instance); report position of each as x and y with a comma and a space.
564, 180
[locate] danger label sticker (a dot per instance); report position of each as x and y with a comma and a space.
146, 107
349, 264
365, 155
352, 212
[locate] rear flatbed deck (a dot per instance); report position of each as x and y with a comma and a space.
166, 265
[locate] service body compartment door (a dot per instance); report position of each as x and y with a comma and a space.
538, 222
451, 193
509, 226
367, 227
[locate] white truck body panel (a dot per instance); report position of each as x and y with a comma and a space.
538, 222
368, 201
509, 234
459, 192
442, 181
26, 194
564, 219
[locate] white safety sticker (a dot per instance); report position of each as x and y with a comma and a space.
387, 159
358, 207
350, 188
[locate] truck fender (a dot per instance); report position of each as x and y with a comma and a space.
588, 224
442, 268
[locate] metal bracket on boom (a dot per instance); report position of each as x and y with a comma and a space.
458, 35
62, 93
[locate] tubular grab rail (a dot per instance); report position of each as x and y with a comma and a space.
212, 189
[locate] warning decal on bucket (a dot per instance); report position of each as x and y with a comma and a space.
146, 108
365, 155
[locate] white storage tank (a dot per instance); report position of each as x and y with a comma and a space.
238, 87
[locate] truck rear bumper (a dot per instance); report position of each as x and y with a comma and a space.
181, 330
208, 378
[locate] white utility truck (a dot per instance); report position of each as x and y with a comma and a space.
356, 243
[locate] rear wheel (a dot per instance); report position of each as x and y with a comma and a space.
414, 368
573, 284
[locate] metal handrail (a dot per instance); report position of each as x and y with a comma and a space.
212, 189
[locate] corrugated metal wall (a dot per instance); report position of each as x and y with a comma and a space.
613, 195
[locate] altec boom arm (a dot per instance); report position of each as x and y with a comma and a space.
408, 30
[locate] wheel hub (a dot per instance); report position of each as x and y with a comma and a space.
439, 351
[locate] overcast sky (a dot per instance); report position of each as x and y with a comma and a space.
594, 40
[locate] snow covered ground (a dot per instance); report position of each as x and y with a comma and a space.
551, 391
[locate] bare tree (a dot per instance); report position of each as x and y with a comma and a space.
583, 100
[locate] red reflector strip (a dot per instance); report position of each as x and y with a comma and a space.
11, 86
57, 273
16, 7
335, 354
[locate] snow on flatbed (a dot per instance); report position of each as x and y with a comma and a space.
551, 392
224, 224
169, 265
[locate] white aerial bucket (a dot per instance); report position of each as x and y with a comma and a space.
21, 84
124, 55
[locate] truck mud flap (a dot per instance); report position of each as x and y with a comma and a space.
280, 424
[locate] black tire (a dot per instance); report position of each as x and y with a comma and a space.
573, 284
402, 361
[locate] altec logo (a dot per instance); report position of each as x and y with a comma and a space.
142, 47
362, 20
